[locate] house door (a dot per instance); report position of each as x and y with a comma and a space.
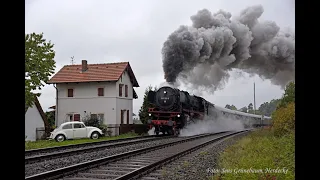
122, 116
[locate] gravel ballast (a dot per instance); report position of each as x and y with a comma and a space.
194, 165
61, 149
144, 159
39, 167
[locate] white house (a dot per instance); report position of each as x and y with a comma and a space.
101, 90
36, 122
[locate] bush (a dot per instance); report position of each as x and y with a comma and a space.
284, 120
95, 122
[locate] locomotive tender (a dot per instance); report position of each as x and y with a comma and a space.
173, 109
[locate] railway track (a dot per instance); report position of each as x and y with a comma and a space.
37, 155
134, 163
41, 151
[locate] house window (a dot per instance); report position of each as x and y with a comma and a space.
126, 90
128, 117
120, 90
100, 91
70, 92
76, 117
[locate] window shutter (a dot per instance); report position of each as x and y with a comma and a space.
128, 117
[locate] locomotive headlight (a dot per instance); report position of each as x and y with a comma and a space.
149, 114
178, 115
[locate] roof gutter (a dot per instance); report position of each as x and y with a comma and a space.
56, 113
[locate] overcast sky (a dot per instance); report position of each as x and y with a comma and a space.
103, 31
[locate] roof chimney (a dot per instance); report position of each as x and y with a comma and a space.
84, 65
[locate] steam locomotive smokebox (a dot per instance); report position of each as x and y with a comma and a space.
166, 98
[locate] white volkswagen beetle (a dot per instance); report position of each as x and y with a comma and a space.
75, 130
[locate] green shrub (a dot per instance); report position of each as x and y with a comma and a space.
283, 120
96, 122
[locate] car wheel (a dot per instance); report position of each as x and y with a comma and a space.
60, 138
95, 135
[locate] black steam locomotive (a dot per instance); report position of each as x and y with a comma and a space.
173, 109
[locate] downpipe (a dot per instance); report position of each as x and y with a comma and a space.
56, 116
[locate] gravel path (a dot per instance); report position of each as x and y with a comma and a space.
35, 168
194, 166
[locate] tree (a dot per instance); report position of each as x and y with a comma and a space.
39, 65
51, 118
288, 96
250, 107
143, 112
233, 107
244, 109
228, 106
267, 108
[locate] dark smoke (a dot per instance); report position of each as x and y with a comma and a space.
203, 55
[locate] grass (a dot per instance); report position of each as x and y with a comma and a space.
51, 143
255, 155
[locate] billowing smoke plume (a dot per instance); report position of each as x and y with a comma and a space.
203, 55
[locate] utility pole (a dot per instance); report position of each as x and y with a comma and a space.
254, 97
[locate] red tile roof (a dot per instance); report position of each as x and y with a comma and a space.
94, 73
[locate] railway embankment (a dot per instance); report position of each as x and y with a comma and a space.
267, 153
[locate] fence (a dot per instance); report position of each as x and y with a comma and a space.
40, 133
137, 128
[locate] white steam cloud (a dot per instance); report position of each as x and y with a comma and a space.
214, 125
